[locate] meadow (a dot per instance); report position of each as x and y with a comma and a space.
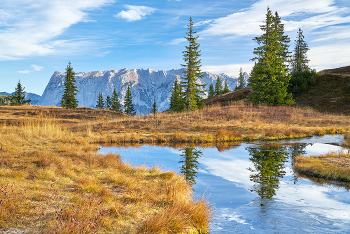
53, 180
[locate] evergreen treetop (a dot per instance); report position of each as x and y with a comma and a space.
18, 98
192, 73
116, 106
176, 100
218, 86
70, 89
100, 102
269, 78
211, 92
128, 105
154, 107
108, 102
241, 81
226, 88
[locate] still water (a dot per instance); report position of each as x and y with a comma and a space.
252, 186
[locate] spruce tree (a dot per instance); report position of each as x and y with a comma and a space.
218, 86
226, 88
70, 89
176, 101
100, 102
211, 92
18, 98
269, 77
108, 102
116, 106
154, 107
128, 105
192, 90
302, 75
241, 81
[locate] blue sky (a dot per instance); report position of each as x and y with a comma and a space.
39, 37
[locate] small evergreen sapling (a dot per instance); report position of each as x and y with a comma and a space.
154, 107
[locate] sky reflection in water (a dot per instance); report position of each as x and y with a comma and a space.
252, 187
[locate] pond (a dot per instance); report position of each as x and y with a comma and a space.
252, 186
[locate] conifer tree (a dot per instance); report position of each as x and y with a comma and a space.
241, 82
70, 89
176, 100
108, 102
211, 92
226, 88
116, 106
192, 90
100, 102
269, 77
218, 86
18, 98
154, 107
302, 75
128, 105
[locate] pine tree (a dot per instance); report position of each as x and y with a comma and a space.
218, 86
116, 106
211, 92
128, 105
108, 102
176, 100
154, 108
269, 77
70, 89
18, 98
302, 75
192, 90
226, 88
100, 102
241, 81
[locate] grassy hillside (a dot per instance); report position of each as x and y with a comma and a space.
330, 93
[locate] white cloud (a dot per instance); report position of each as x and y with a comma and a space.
177, 41
25, 72
135, 13
229, 69
32, 25
37, 68
247, 21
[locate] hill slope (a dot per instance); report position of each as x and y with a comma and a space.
330, 93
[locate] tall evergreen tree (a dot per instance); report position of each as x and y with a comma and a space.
70, 89
302, 75
269, 77
154, 108
211, 92
218, 86
192, 91
18, 98
128, 105
108, 102
241, 82
100, 102
226, 88
116, 106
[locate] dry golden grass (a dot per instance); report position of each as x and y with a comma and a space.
333, 166
52, 180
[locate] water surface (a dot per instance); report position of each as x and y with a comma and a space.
252, 186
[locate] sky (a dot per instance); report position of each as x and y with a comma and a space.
39, 37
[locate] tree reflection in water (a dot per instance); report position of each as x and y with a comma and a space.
268, 163
190, 163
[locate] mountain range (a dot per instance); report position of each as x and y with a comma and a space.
146, 85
